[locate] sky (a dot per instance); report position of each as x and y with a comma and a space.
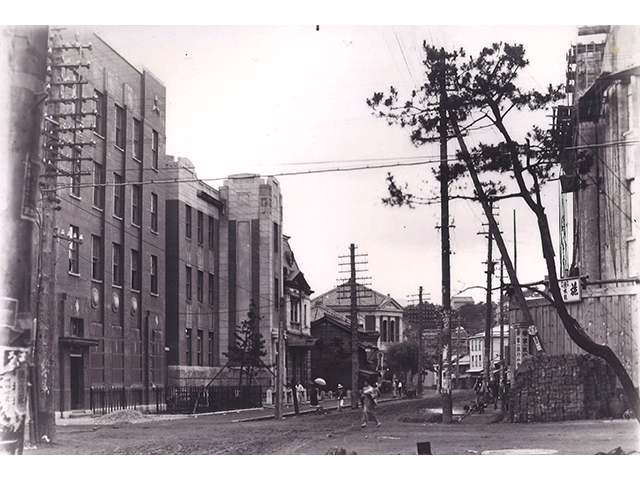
285, 100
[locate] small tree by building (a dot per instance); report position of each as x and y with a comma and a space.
248, 349
402, 359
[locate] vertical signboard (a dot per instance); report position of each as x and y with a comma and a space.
521, 345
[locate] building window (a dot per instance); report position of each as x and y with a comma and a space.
200, 286
199, 346
135, 204
116, 264
96, 257
187, 349
154, 274
276, 237
392, 331
211, 237
154, 212
385, 335
135, 270
154, 149
76, 179
118, 196
120, 127
77, 327
187, 225
100, 116
74, 250
137, 139
188, 283
200, 228
98, 181
276, 293
210, 296
210, 350
370, 323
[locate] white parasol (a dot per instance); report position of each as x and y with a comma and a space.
320, 381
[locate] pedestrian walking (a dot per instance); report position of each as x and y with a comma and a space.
479, 388
494, 389
369, 403
340, 394
394, 385
300, 392
399, 388
314, 396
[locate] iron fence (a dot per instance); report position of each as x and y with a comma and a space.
104, 399
212, 399
176, 399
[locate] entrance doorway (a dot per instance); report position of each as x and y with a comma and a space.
76, 382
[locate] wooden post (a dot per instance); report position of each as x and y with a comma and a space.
447, 402
355, 366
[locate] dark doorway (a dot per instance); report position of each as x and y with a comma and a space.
77, 382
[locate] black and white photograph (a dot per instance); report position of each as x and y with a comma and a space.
340, 239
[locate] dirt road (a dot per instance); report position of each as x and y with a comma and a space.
405, 423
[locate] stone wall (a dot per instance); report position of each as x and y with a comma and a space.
561, 387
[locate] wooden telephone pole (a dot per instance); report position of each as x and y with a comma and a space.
447, 402
355, 365
281, 363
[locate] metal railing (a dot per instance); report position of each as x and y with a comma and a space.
103, 400
212, 398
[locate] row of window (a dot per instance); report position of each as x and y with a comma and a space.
199, 348
118, 196
117, 262
199, 286
199, 227
121, 130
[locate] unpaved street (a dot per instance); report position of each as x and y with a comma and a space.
404, 424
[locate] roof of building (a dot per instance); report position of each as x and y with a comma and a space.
320, 312
495, 332
367, 297
294, 278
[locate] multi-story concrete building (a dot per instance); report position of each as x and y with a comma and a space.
251, 252
226, 254
109, 295
193, 210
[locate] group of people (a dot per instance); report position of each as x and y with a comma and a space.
368, 399
491, 393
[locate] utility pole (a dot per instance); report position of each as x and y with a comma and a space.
355, 366
488, 340
353, 294
502, 369
447, 402
280, 364
420, 327
487, 326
